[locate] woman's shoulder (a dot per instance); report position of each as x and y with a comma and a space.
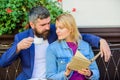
83, 43
54, 44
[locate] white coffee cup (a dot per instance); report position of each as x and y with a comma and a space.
38, 41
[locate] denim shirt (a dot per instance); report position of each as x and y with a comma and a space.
58, 55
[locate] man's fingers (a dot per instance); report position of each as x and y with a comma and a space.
25, 43
105, 50
101, 54
30, 39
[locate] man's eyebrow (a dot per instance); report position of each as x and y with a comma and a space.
45, 23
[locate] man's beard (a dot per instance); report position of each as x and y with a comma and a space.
44, 34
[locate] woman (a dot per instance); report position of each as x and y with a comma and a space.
60, 52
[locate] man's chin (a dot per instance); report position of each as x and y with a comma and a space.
45, 34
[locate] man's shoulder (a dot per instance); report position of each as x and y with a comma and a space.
52, 27
24, 34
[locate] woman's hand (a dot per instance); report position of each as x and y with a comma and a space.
68, 71
85, 72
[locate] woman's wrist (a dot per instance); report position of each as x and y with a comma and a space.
90, 74
66, 74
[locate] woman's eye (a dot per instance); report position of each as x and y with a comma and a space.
61, 27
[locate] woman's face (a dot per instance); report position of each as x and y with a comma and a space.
62, 32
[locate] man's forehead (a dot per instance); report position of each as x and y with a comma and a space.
44, 20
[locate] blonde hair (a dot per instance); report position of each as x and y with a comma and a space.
68, 21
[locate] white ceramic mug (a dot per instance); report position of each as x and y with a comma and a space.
38, 41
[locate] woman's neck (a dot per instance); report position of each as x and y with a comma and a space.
72, 41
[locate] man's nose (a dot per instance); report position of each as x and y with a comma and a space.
47, 27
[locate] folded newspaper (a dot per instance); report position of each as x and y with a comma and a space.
79, 61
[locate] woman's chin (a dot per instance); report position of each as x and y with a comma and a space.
59, 38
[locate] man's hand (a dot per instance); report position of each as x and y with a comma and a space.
24, 44
105, 49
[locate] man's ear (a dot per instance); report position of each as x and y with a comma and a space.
32, 25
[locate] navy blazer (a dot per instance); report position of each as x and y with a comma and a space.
27, 55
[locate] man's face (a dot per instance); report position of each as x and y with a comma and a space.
41, 27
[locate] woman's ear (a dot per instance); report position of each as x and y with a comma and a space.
71, 30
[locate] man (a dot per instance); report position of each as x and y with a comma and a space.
32, 55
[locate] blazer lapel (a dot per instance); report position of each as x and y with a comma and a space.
32, 54
32, 51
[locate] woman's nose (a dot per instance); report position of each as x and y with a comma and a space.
57, 30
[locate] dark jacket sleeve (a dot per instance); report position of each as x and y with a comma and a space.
91, 39
52, 36
9, 56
